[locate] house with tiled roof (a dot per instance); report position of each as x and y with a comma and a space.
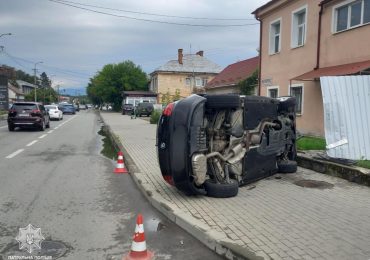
302, 41
185, 75
227, 80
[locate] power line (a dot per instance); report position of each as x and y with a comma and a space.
159, 15
62, 71
152, 21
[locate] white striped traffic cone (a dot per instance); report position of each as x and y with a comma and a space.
120, 168
138, 248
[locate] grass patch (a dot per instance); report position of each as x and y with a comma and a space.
363, 163
311, 143
3, 112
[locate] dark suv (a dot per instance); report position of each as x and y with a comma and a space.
144, 108
127, 109
212, 144
28, 114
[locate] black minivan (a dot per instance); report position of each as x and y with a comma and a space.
212, 144
28, 114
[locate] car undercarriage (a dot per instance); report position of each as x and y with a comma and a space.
213, 144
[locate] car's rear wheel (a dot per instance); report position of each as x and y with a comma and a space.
224, 190
287, 166
42, 126
11, 128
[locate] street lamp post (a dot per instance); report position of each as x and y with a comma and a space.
34, 76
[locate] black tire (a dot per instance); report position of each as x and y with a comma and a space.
287, 166
11, 128
218, 190
223, 101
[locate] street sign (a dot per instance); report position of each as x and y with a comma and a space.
4, 100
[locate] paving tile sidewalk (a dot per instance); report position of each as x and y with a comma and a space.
273, 218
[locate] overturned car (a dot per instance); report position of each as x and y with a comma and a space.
212, 144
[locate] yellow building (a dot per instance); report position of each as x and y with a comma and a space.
187, 74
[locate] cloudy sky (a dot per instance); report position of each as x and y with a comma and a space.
74, 43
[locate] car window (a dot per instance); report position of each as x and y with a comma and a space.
50, 107
25, 106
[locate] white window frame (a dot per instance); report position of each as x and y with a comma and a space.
272, 37
270, 88
294, 31
198, 80
204, 82
335, 16
290, 94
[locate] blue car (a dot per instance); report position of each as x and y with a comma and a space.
67, 108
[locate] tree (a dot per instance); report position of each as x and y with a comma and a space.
109, 83
248, 85
177, 95
49, 94
166, 98
45, 81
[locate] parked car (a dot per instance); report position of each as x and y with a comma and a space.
54, 112
67, 108
28, 114
212, 144
144, 108
127, 109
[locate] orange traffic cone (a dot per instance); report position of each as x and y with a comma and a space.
120, 168
138, 248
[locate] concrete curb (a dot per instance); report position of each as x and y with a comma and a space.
351, 173
214, 240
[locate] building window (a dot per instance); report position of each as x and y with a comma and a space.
273, 92
297, 92
198, 82
204, 82
299, 27
275, 36
351, 15
188, 82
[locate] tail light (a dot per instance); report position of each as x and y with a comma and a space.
168, 179
12, 111
36, 112
168, 110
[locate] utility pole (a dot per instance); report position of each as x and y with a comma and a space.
34, 76
58, 94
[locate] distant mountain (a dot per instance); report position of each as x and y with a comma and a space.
73, 91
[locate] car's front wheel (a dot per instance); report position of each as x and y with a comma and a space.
221, 190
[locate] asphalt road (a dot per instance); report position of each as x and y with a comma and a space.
58, 181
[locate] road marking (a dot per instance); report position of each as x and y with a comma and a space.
14, 154
50, 131
3, 126
31, 143
43, 136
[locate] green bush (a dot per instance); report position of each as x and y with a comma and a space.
154, 117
